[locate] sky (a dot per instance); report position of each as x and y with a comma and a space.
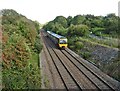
46, 10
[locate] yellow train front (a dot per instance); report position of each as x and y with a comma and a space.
59, 40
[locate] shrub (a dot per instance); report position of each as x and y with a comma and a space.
97, 31
19, 43
79, 45
38, 45
72, 47
86, 55
22, 78
70, 41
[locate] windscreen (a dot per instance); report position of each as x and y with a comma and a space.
63, 41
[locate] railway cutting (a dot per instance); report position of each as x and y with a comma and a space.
66, 70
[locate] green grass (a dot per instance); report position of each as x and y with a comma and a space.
111, 43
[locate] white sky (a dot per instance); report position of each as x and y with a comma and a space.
46, 10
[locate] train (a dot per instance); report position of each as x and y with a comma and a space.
59, 41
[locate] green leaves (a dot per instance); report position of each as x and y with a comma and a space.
61, 20
111, 24
15, 50
98, 31
22, 78
79, 45
19, 43
38, 45
19, 36
79, 19
78, 30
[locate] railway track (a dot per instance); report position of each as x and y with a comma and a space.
69, 71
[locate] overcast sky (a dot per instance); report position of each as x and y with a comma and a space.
46, 10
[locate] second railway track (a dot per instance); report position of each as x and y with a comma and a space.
74, 72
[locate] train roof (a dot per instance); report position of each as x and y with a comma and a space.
55, 35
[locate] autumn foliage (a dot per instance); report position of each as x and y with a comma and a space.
19, 36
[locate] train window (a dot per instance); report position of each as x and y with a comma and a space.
63, 41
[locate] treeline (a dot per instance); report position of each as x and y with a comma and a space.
20, 44
83, 25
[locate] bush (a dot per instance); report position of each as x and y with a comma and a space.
19, 43
79, 45
70, 41
72, 47
22, 78
98, 31
86, 55
82, 30
78, 30
38, 45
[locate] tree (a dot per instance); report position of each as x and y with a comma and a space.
49, 26
61, 20
78, 30
111, 24
69, 20
97, 23
59, 29
37, 25
71, 30
81, 30
98, 31
79, 19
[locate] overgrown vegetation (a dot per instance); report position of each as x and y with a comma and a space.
86, 31
21, 46
82, 25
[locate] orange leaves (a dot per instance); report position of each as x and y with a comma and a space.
19, 34
5, 38
15, 54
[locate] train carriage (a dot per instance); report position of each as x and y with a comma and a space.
59, 40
